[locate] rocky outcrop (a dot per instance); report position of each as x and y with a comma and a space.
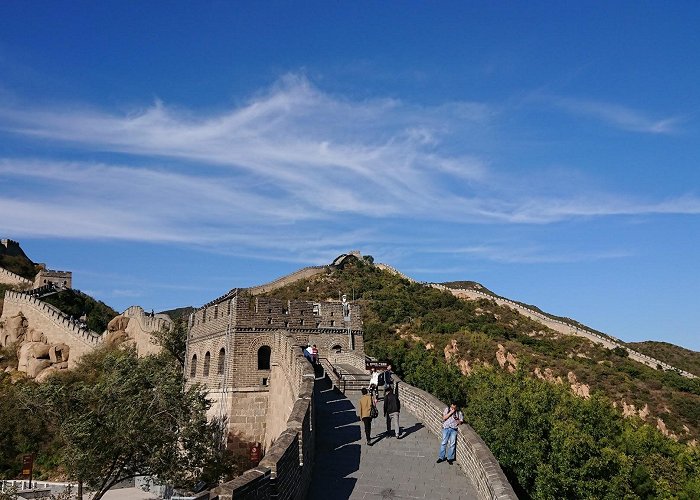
577, 387
547, 375
506, 360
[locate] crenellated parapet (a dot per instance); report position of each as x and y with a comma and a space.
608, 341
148, 322
62, 279
47, 339
51, 314
262, 313
12, 279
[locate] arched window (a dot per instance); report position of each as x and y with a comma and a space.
207, 361
222, 361
264, 357
193, 366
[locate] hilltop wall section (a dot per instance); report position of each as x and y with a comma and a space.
565, 328
12, 279
11, 247
62, 279
608, 342
304, 273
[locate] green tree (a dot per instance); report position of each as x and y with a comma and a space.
120, 416
173, 340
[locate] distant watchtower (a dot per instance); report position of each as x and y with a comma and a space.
62, 279
11, 248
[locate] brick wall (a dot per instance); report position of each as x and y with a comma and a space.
236, 330
473, 456
285, 470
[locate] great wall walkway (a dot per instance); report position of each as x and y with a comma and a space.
347, 468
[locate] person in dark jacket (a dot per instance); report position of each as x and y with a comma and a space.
392, 408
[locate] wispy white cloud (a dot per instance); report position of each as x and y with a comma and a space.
317, 171
511, 253
618, 116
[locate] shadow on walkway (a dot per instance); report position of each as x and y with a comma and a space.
337, 448
410, 430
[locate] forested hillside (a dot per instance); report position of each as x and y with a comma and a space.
76, 303
20, 265
550, 406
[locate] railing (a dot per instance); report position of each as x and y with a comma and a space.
341, 380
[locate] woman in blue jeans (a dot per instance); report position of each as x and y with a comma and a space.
451, 419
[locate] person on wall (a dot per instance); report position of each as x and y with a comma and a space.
388, 379
392, 408
373, 384
364, 409
451, 419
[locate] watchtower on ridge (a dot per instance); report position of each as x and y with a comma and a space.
234, 349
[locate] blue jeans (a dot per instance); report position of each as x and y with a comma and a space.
449, 444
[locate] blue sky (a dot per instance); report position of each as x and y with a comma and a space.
166, 152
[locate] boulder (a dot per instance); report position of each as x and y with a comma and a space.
115, 337
46, 373
35, 366
58, 353
35, 336
14, 329
118, 323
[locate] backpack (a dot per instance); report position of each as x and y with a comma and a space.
381, 379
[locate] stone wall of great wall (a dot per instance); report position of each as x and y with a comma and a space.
304, 273
47, 326
473, 456
140, 327
608, 342
41, 330
12, 279
234, 350
237, 329
285, 470
62, 279
45, 316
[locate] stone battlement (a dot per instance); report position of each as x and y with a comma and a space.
10, 278
269, 313
62, 279
53, 315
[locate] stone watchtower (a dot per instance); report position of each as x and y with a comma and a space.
61, 279
238, 348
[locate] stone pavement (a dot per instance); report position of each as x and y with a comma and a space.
347, 468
